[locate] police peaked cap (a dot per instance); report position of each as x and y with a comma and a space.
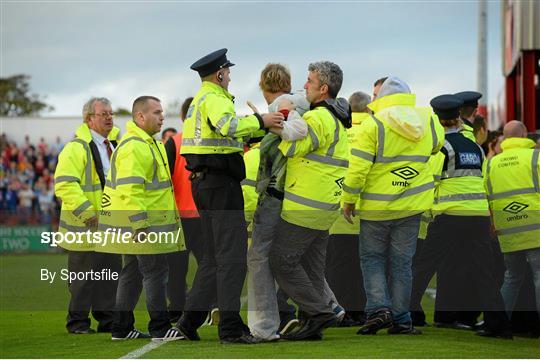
446, 106
211, 63
470, 98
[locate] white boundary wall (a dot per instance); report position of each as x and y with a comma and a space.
51, 127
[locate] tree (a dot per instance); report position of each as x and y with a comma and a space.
122, 112
16, 100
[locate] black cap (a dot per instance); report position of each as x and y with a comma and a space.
211, 63
470, 98
446, 106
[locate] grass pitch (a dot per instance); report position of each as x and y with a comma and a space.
32, 320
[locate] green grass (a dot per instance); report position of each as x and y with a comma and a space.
32, 320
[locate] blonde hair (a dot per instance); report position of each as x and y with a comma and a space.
275, 78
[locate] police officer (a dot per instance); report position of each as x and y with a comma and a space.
213, 145
79, 179
461, 206
468, 111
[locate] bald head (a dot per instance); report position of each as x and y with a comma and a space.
514, 129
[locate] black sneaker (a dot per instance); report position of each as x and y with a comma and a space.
188, 334
507, 335
404, 329
82, 331
170, 335
133, 334
312, 328
377, 321
289, 326
245, 339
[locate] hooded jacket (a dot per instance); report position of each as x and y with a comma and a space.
388, 169
316, 166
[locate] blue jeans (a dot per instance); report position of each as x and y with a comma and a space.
513, 277
388, 243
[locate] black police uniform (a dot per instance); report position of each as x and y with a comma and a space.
218, 195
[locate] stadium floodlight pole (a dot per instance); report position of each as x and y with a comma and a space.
481, 75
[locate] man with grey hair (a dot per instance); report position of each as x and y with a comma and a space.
79, 179
315, 169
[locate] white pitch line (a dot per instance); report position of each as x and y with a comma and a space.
137, 353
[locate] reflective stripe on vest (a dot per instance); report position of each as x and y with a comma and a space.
518, 229
503, 194
460, 197
88, 186
380, 158
154, 185
451, 171
310, 202
248, 182
392, 197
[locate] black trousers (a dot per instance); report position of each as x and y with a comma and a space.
91, 295
151, 273
222, 270
467, 269
429, 255
179, 265
343, 272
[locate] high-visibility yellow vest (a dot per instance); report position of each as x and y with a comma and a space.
460, 191
341, 226
138, 195
212, 127
251, 160
388, 172
468, 132
513, 188
316, 166
77, 184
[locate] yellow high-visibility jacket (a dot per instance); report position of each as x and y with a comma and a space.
341, 226
513, 187
138, 195
251, 159
212, 127
316, 166
77, 184
389, 169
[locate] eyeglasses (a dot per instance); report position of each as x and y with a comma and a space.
104, 114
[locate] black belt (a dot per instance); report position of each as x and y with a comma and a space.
273, 192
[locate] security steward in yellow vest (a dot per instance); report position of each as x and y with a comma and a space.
213, 145
139, 219
462, 227
343, 271
79, 179
389, 173
316, 166
513, 188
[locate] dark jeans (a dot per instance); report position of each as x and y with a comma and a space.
222, 270
297, 259
91, 295
150, 272
343, 271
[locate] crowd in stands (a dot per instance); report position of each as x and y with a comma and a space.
26, 180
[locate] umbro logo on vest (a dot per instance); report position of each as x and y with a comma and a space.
339, 182
105, 201
515, 207
406, 173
